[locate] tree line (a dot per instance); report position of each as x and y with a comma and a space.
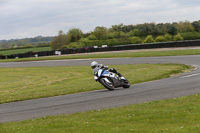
128, 34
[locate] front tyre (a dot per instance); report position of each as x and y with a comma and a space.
106, 84
126, 83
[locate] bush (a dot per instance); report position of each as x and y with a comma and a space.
160, 39
112, 42
71, 45
99, 43
190, 35
27, 46
43, 45
178, 37
135, 40
168, 37
149, 39
85, 42
122, 41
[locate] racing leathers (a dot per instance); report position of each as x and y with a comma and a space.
101, 66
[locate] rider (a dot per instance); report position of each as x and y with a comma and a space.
96, 65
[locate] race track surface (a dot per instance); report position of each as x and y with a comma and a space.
182, 85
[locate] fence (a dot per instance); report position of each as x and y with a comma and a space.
189, 43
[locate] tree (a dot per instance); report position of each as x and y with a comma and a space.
160, 29
73, 35
59, 41
134, 32
171, 28
92, 37
184, 26
196, 25
111, 34
146, 29
120, 34
128, 28
100, 32
117, 27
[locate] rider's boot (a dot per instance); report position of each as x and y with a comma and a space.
120, 76
115, 71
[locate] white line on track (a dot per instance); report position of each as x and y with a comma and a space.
191, 75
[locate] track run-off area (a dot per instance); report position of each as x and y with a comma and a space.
177, 86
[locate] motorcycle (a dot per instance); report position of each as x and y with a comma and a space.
110, 80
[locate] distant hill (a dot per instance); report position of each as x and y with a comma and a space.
21, 42
2, 41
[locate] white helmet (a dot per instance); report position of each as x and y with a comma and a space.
94, 64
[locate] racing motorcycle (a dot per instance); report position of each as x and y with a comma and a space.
110, 80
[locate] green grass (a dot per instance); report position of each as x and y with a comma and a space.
114, 55
15, 51
179, 115
18, 84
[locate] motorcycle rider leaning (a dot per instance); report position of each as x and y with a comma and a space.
95, 65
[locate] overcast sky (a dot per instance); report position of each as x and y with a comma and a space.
30, 18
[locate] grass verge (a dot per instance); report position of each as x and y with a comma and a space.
24, 50
179, 115
113, 55
18, 84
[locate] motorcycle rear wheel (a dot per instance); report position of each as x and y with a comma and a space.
107, 85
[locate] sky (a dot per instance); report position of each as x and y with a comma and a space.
31, 18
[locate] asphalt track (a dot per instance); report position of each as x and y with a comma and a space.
182, 85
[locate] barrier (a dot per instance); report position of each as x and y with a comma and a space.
2, 57
188, 43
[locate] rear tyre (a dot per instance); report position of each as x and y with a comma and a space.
126, 83
107, 85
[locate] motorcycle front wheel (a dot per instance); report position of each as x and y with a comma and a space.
126, 83
107, 85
